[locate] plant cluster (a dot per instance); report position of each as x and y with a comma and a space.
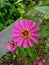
35, 10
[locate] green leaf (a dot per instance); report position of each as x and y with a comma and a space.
21, 10
47, 42
44, 31
21, 5
43, 28
46, 46
11, 64
14, 56
5, 57
23, 53
18, 1
43, 9
31, 53
45, 17
28, 50
17, 51
1, 26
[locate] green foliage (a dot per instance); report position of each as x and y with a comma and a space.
44, 2
29, 17
11, 64
14, 56
8, 13
23, 52
47, 42
43, 9
11, 10
46, 46
44, 31
6, 56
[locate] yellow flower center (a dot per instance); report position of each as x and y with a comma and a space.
11, 45
25, 34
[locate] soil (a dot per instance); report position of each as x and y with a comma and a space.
10, 60
45, 59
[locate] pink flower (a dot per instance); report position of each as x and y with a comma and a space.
38, 63
11, 46
25, 33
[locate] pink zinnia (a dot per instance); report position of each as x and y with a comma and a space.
11, 46
38, 63
25, 33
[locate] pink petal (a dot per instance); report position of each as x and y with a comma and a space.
40, 63
8, 47
34, 39
15, 30
18, 26
15, 34
26, 23
16, 39
30, 43
22, 24
32, 25
35, 34
35, 29
14, 48
20, 42
25, 44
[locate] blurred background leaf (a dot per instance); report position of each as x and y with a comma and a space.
43, 9
44, 31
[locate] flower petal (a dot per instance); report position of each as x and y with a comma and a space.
20, 42
16, 39
29, 23
32, 24
30, 43
17, 25
35, 29
35, 34
40, 63
9, 48
15, 30
22, 24
25, 44
34, 39
15, 34
26, 23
